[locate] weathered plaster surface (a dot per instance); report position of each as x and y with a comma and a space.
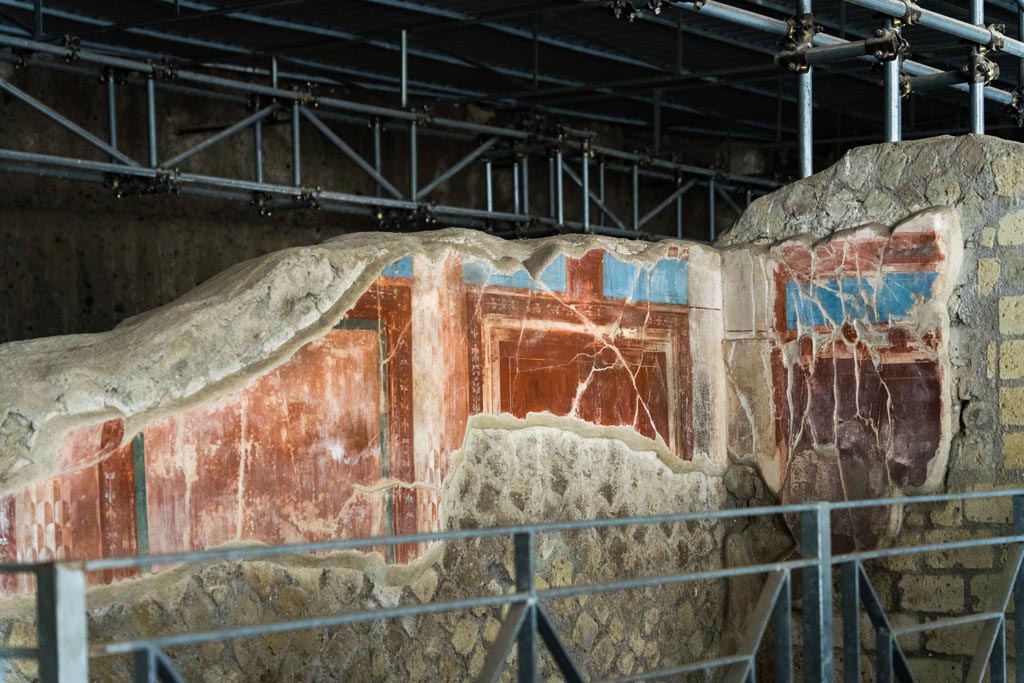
981, 180
837, 357
509, 471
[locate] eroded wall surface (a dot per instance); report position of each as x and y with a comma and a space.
837, 359
352, 435
327, 391
980, 179
493, 482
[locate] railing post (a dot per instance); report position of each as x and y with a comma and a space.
884, 646
61, 624
851, 621
782, 638
1018, 585
816, 543
526, 643
997, 661
144, 666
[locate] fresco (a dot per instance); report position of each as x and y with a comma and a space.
354, 434
853, 340
824, 365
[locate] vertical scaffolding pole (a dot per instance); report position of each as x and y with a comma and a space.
893, 101
296, 147
257, 142
559, 188
656, 143
377, 158
711, 209
61, 624
977, 86
112, 112
636, 197
679, 210
551, 185
600, 188
1020, 37
151, 121
490, 184
405, 69
413, 161
515, 186
37, 19
586, 191
526, 183
805, 109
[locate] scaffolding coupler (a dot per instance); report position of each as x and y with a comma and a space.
1016, 106
911, 15
886, 45
977, 69
124, 185
74, 48
625, 9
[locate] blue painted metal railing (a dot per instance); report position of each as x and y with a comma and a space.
63, 651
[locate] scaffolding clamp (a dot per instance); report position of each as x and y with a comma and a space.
911, 15
981, 69
74, 47
796, 44
308, 96
164, 182
163, 70
887, 45
261, 201
1016, 106
625, 9
424, 117
997, 38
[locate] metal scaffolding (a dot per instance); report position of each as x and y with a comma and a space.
569, 156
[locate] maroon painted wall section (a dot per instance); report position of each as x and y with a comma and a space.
859, 408
354, 434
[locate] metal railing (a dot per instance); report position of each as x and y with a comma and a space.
63, 651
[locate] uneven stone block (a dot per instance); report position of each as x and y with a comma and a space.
988, 275
1011, 359
989, 510
939, 593
1011, 405
1011, 230
1011, 315
1013, 450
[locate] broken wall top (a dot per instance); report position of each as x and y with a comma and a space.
885, 183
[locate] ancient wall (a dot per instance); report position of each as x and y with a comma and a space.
980, 179
352, 433
329, 391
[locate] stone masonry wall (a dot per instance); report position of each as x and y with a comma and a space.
982, 179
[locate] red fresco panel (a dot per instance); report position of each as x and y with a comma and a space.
8, 542
313, 432
192, 475
621, 386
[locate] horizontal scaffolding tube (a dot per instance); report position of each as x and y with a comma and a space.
778, 27
944, 24
221, 84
